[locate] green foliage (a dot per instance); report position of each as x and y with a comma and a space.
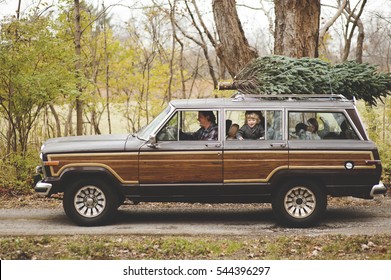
38, 77
378, 125
33, 73
282, 75
16, 173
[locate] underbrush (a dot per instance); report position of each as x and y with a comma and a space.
16, 174
134, 247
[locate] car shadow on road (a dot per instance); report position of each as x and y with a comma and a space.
334, 217
344, 214
190, 215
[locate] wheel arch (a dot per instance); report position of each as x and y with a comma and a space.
287, 176
70, 175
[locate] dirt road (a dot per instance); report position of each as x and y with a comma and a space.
344, 217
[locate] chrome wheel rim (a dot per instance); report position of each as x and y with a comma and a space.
90, 201
300, 202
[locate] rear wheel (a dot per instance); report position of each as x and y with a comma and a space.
299, 204
90, 202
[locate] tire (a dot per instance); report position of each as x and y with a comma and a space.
299, 204
90, 202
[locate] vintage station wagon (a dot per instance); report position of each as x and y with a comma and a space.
284, 165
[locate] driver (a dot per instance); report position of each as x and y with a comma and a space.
208, 130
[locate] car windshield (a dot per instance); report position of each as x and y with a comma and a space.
150, 128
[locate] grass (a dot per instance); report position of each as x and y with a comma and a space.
182, 247
134, 247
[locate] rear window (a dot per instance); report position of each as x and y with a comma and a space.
306, 125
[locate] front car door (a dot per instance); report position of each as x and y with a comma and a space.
178, 158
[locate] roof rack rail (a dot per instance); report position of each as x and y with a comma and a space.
239, 96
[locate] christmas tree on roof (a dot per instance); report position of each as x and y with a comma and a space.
286, 75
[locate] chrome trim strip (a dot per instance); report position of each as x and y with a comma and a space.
217, 152
50, 156
332, 152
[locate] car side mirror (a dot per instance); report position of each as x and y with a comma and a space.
152, 142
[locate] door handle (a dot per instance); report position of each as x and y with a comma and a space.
213, 145
278, 145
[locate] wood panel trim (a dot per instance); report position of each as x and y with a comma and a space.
257, 180
296, 162
92, 164
115, 174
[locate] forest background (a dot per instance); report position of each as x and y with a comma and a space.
116, 64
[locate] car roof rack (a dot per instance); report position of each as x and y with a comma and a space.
239, 96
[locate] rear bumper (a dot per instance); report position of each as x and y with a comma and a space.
378, 189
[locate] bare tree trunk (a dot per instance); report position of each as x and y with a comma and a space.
11, 134
182, 68
360, 41
297, 28
68, 130
331, 21
10, 123
107, 70
172, 20
354, 18
18, 10
233, 50
78, 69
195, 75
95, 122
57, 119
202, 43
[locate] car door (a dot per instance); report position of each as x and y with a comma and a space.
255, 161
177, 160
338, 155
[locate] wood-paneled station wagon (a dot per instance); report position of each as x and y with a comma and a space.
299, 150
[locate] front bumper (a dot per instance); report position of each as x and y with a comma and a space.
42, 188
379, 189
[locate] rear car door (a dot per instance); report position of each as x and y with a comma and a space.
338, 155
255, 161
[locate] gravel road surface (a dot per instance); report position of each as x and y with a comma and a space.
349, 217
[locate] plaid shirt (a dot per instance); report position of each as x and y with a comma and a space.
210, 133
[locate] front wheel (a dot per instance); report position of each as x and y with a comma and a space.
90, 203
299, 204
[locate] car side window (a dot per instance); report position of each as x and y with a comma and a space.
319, 125
274, 125
169, 132
253, 125
191, 125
